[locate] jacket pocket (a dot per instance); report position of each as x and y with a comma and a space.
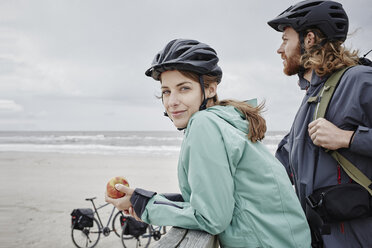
168, 204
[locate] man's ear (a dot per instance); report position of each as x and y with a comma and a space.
212, 90
309, 39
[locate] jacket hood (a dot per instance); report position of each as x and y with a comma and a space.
232, 115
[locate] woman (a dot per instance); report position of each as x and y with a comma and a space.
231, 185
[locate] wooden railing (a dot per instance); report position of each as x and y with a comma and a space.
183, 238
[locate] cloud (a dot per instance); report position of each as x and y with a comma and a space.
9, 106
80, 64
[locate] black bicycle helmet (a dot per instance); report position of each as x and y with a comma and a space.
328, 16
186, 55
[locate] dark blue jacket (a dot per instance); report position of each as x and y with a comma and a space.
310, 167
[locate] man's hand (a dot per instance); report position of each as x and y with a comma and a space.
325, 134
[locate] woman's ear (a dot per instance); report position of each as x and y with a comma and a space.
211, 91
309, 39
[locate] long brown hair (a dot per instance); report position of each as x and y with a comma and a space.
256, 123
325, 57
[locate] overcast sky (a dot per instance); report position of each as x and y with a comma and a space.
79, 64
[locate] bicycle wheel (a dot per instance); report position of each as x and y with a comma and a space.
157, 231
116, 225
88, 237
130, 241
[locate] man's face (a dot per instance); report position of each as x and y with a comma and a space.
290, 51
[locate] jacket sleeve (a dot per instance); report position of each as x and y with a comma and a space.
362, 140
282, 154
141, 197
210, 203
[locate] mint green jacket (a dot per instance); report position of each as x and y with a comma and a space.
231, 187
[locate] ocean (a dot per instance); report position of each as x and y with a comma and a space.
159, 143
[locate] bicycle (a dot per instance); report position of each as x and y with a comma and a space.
88, 237
142, 240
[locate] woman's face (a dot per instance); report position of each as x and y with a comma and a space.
181, 95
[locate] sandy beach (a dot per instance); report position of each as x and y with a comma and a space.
39, 191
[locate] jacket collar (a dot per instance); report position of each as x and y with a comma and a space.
315, 81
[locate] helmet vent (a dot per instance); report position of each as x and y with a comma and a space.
287, 10
180, 52
296, 15
337, 15
307, 5
334, 7
340, 25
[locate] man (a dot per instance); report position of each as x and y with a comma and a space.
312, 48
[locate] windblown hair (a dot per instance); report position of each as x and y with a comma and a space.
256, 123
325, 57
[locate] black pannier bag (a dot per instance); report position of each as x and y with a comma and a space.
81, 218
341, 202
133, 227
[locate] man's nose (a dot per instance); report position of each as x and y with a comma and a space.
280, 49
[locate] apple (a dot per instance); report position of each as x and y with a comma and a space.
112, 191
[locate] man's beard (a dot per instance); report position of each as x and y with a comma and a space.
292, 66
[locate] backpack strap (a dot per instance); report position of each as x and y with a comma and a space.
323, 99
326, 93
353, 172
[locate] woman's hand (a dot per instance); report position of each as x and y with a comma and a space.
325, 134
122, 203
132, 213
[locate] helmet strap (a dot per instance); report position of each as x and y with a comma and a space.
301, 70
165, 112
302, 42
205, 100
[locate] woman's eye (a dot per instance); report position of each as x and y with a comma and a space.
165, 92
185, 88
